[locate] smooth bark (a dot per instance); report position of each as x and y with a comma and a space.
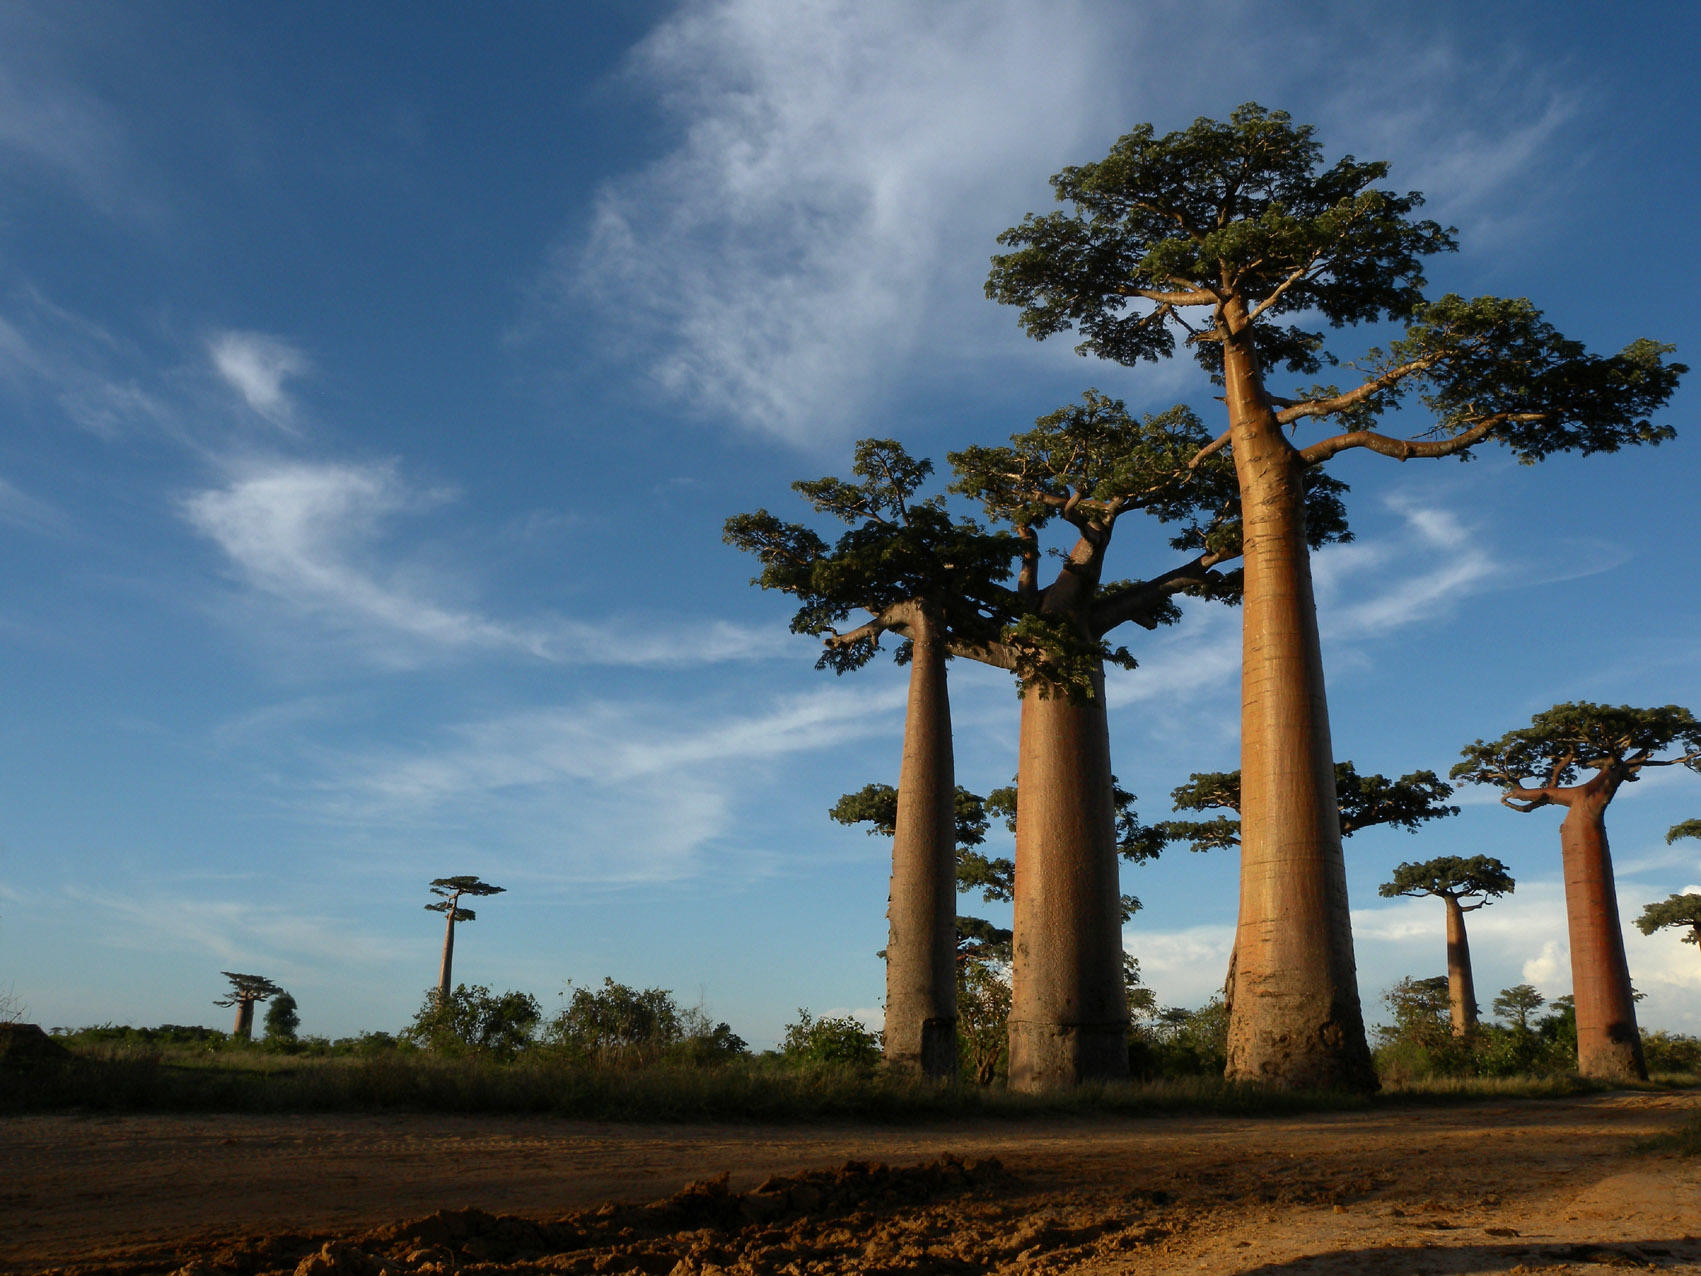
1608, 1044
1295, 1019
1461, 988
1069, 1008
921, 984
443, 984
244, 1029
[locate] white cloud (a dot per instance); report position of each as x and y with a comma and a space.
843, 170
256, 366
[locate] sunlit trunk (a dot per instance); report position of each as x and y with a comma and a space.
1608, 1045
448, 957
1295, 1019
921, 977
244, 1029
1069, 1010
1461, 988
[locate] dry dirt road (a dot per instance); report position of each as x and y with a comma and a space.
1517, 1186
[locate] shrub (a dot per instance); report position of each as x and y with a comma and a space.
474, 1019
830, 1040
624, 1026
282, 1021
1671, 1052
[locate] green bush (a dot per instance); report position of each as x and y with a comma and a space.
620, 1026
838, 1040
475, 1019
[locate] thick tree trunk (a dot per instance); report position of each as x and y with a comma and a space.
1608, 1045
1069, 1010
443, 984
244, 1029
1461, 988
921, 977
1295, 1019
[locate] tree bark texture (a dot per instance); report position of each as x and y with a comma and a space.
1069, 1009
1608, 1044
1461, 988
443, 984
921, 977
1295, 1019
244, 1029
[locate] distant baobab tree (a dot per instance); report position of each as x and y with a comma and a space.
451, 889
1549, 763
1451, 879
245, 990
1676, 911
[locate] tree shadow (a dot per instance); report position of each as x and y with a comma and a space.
1441, 1260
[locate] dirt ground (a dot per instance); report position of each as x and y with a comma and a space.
1517, 1186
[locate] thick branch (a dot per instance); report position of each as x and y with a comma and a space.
1406, 449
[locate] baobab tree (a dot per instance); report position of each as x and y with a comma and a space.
1233, 236
925, 576
1453, 880
245, 990
1675, 911
450, 890
1578, 756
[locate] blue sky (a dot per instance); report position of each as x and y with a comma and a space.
375, 380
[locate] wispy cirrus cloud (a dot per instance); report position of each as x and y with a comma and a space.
29, 513
257, 366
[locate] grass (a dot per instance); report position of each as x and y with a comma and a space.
131, 1078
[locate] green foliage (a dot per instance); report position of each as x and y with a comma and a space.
1420, 1041
1517, 1004
1451, 877
1674, 911
451, 889
1176, 1042
1240, 218
246, 988
983, 1004
282, 1019
899, 550
1688, 828
475, 1019
832, 1040
617, 1025
1364, 800
1672, 1052
1563, 742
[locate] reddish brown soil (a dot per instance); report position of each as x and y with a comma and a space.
1522, 1186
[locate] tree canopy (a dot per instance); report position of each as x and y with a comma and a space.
1451, 877
1200, 234
1686, 828
1364, 800
1675, 911
1534, 765
451, 890
247, 989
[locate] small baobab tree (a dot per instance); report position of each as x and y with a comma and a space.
923, 575
450, 891
1234, 241
1453, 880
245, 990
1578, 756
1676, 911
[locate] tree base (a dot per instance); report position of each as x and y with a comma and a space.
1333, 1056
934, 1057
1613, 1060
1053, 1056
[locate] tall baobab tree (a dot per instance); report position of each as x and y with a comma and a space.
1233, 237
1578, 756
925, 576
450, 891
245, 990
1453, 880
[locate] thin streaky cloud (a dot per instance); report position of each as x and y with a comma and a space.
28, 513
257, 367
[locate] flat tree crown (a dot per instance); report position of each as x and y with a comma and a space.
1686, 828
451, 889
1673, 910
900, 549
247, 988
1451, 877
1222, 231
1563, 743
1363, 801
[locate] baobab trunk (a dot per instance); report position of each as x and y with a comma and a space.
1608, 1044
1295, 1019
1069, 1008
448, 956
1461, 988
244, 1029
921, 977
